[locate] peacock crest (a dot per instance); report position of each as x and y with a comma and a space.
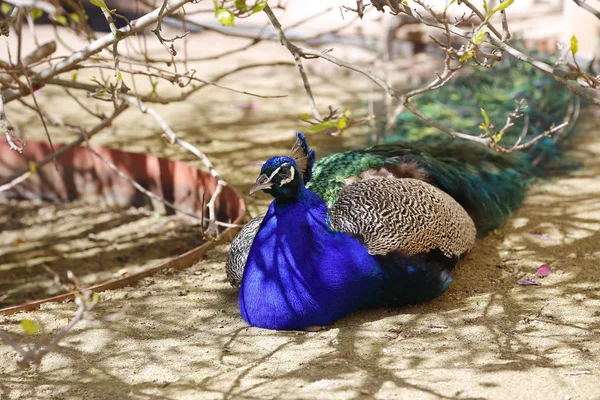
304, 156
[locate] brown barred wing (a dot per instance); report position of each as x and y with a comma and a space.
406, 216
239, 249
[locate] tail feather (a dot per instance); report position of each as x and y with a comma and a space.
488, 184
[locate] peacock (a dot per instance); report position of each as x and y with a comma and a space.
386, 225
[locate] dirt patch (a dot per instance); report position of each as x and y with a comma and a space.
41, 241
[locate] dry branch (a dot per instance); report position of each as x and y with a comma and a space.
95, 47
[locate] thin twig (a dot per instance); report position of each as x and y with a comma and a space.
23, 175
11, 133
297, 58
587, 7
42, 5
172, 137
135, 184
158, 29
32, 354
95, 47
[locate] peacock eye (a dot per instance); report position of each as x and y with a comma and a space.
284, 174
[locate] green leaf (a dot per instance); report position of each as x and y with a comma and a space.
305, 117
574, 45
241, 5
75, 18
225, 17
259, 6
61, 19
322, 126
36, 13
502, 6
29, 326
485, 7
154, 86
74, 77
486, 119
119, 77
479, 36
5, 8
467, 56
99, 3
342, 123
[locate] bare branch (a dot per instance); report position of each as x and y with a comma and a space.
32, 355
583, 4
158, 29
172, 137
95, 47
297, 58
23, 175
42, 5
11, 133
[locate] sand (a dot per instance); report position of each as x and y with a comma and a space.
486, 337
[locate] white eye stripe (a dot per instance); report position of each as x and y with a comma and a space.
273, 174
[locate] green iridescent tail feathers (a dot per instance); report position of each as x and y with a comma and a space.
488, 184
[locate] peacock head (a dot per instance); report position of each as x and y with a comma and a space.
284, 177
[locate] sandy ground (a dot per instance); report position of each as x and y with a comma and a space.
485, 338
40, 241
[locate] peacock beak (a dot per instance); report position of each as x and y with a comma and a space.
262, 183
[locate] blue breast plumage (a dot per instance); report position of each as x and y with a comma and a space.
301, 273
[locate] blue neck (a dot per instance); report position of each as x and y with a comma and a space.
300, 273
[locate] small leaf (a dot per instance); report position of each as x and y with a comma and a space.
574, 45
95, 298
342, 123
259, 6
241, 5
225, 17
119, 77
5, 8
485, 117
61, 19
29, 326
479, 36
322, 126
74, 77
467, 56
347, 112
75, 18
502, 6
99, 3
36, 13
32, 167
485, 7
305, 117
